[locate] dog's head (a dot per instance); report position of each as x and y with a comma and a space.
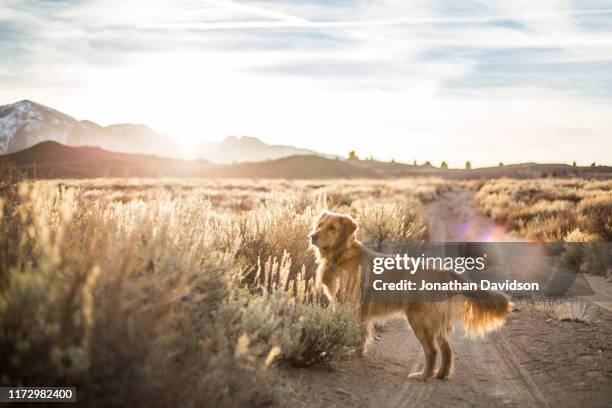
332, 230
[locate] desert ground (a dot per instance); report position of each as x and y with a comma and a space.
201, 292
535, 360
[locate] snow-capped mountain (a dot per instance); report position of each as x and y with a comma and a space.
26, 123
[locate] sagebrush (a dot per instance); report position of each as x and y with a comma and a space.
148, 291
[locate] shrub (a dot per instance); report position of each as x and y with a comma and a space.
391, 223
305, 334
580, 312
585, 253
10, 174
272, 230
596, 216
157, 292
108, 298
560, 210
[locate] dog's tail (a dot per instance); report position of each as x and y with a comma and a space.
483, 311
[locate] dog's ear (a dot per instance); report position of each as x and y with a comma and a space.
349, 226
320, 217
351, 223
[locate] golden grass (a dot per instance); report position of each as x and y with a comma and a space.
157, 292
580, 312
574, 311
571, 211
551, 210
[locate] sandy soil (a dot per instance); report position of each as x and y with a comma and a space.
534, 360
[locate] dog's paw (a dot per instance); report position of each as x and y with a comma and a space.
442, 376
359, 351
420, 376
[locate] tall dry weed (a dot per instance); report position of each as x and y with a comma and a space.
134, 290
555, 210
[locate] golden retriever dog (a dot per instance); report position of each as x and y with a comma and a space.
343, 271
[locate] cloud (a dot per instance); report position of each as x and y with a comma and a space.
429, 72
255, 10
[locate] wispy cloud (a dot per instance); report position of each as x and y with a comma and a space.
284, 21
420, 75
258, 11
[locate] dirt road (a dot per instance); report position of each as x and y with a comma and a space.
534, 360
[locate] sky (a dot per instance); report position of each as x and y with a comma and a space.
485, 81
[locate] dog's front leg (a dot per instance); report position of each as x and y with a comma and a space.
365, 337
366, 333
327, 298
327, 280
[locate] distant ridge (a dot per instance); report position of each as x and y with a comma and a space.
249, 149
25, 123
294, 167
54, 160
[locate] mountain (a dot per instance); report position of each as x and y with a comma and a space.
50, 159
54, 160
519, 171
26, 123
293, 167
249, 149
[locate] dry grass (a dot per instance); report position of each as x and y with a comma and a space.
564, 310
158, 292
574, 211
580, 312
551, 210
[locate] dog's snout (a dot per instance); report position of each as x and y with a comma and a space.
314, 237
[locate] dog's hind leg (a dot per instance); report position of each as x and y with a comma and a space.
446, 368
427, 339
365, 337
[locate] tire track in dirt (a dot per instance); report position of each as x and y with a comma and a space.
603, 292
454, 218
490, 372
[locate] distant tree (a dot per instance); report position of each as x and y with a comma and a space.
574, 164
593, 164
444, 165
414, 162
501, 164
468, 165
369, 158
392, 160
352, 155
427, 163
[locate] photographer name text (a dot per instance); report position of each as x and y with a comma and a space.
408, 285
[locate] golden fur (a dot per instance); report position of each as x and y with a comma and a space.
343, 263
